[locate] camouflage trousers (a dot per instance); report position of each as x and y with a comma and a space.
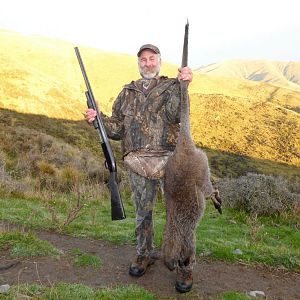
143, 196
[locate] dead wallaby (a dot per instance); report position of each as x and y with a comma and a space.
187, 184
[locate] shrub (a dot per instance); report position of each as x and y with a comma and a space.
46, 168
8, 185
259, 194
69, 176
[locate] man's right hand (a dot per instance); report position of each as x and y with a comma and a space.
90, 115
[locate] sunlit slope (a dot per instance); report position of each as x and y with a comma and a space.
31, 77
283, 74
42, 76
255, 119
257, 129
253, 91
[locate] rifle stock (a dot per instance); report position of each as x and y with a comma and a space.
117, 208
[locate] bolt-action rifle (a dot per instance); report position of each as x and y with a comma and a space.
117, 208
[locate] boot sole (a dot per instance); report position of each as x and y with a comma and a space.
182, 289
132, 273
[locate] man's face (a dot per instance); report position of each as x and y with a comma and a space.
149, 64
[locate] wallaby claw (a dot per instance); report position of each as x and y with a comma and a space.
218, 207
217, 201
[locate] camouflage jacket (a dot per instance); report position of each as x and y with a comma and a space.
146, 122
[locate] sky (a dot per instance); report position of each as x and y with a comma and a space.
219, 29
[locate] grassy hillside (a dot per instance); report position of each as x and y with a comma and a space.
240, 117
38, 153
40, 75
255, 129
248, 90
283, 74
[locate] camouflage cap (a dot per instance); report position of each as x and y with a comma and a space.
150, 47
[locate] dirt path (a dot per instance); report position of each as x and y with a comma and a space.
211, 278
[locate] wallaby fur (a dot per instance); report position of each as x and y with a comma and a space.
187, 184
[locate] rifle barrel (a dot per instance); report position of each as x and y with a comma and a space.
117, 212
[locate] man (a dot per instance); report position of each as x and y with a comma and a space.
145, 117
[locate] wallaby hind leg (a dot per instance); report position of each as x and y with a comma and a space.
170, 250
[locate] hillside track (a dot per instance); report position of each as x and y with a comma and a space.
211, 277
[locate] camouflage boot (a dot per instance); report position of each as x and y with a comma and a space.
140, 265
184, 279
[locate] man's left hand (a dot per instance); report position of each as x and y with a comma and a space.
185, 74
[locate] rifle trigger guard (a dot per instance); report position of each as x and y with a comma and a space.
105, 164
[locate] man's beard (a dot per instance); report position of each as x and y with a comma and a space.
149, 73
